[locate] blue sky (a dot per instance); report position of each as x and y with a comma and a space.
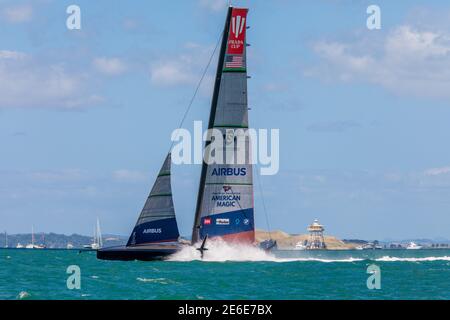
86, 115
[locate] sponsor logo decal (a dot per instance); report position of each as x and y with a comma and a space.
223, 222
236, 40
152, 231
246, 222
207, 221
226, 200
226, 172
237, 25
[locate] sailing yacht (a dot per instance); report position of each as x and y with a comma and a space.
156, 233
97, 240
32, 245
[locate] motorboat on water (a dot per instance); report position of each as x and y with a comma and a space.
300, 246
413, 246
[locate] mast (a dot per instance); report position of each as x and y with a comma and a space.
212, 116
99, 234
95, 237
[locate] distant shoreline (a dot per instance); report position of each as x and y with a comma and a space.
288, 242
284, 240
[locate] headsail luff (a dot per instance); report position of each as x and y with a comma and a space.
225, 199
157, 221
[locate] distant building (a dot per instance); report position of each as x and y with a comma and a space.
316, 239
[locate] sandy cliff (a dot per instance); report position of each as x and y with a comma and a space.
287, 241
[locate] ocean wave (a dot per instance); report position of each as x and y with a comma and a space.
23, 295
221, 251
158, 280
402, 259
321, 260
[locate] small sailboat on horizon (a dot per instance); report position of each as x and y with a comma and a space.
32, 245
156, 234
97, 241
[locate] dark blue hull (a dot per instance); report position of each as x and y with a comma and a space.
143, 253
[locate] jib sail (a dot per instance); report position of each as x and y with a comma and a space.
157, 222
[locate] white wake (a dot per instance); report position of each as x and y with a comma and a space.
423, 259
221, 251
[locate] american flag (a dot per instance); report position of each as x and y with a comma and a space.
234, 62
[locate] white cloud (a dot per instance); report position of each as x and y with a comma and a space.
6, 54
109, 66
183, 69
407, 61
437, 171
18, 14
28, 82
334, 126
171, 73
66, 175
129, 175
214, 5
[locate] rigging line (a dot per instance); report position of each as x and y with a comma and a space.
197, 88
263, 202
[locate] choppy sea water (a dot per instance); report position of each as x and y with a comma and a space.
228, 273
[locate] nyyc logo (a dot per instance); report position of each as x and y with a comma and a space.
237, 25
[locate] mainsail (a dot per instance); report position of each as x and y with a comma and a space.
157, 222
225, 199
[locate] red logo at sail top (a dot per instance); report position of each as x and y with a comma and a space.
238, 27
